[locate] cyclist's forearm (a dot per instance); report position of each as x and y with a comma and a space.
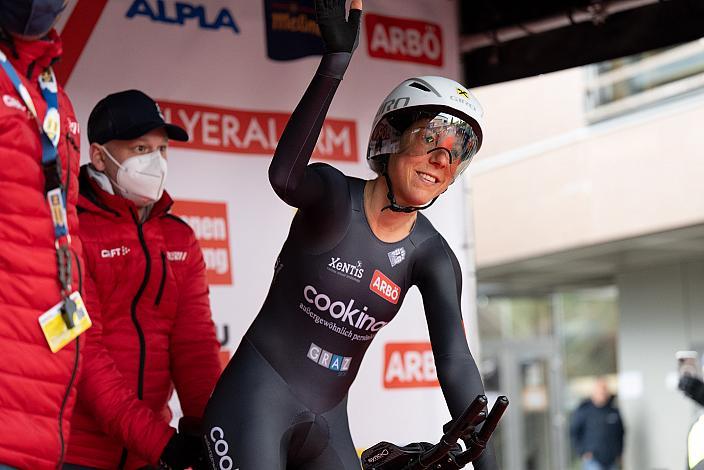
287, 172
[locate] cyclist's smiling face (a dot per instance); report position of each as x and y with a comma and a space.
422, 169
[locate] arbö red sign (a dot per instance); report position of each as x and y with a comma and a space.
404, 39
253, 132
409, 365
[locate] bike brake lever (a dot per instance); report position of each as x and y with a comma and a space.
477, 442
472, 425
449, 439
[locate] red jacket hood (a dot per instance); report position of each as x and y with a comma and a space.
34, 55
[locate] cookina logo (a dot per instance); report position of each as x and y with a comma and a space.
397, 256
404, 39
219, 445
385, 287
254, 132
353, 271
209, 222
346, 313
409, 365
170, 12
328, 360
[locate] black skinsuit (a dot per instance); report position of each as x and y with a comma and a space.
281, 402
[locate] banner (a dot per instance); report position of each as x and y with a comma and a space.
231, 72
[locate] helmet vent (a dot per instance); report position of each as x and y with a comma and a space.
420, 86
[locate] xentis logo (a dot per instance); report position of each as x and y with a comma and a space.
346, 313
323, 358
209, 222
404, 39
254, 132
170, 12
353, 271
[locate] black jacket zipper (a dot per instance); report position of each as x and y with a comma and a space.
163, 279
135, 321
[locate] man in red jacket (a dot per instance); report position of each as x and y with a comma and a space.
37, 386
147, 288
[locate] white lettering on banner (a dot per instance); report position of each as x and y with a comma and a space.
180, 12
207, 228
209, 222
411, 367
408, 42
404, 39
329, 140
254, 132
216, 259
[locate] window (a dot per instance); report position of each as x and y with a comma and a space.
620, 86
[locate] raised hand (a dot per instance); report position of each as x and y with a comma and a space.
339, 34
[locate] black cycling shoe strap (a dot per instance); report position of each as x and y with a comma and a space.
287, 172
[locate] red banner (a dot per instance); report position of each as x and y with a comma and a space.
209, 222
404, 39
409, 365
254, 132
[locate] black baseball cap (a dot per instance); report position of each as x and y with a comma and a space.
127, 115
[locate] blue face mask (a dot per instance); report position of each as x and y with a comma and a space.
30, 18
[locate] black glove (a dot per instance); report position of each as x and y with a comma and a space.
339, 34
182, 451
693, 388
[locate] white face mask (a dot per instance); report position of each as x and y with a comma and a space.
140, 178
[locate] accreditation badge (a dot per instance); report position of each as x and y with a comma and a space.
54, 325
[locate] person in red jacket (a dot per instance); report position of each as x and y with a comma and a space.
37, 386
148, 290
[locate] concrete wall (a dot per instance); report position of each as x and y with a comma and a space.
662, 311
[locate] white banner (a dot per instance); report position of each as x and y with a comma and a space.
208, 64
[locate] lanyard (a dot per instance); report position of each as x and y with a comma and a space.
49, 132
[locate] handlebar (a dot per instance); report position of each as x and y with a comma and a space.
446, 454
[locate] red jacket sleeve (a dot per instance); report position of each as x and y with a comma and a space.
194, 348
112, 402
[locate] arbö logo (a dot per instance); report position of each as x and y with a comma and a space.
409, 365
385, 287
341, 311
217, 436
170, 12
404, 39
353, 271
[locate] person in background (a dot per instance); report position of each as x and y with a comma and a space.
597, 430
40, 256
148, 290
693, 387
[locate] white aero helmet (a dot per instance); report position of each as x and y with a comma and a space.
447, 109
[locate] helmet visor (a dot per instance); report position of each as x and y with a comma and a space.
426, 134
